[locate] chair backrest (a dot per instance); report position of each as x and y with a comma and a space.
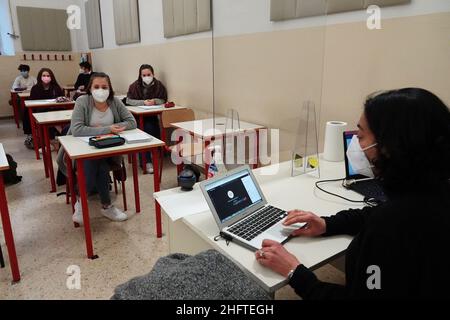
173, 116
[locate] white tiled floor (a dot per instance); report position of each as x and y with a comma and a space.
47, 243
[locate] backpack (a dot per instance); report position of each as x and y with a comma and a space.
10, 176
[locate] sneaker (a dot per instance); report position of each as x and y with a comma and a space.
149, 167
114, 214
78, 215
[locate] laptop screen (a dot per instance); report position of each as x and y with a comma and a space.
348, 135
234, 194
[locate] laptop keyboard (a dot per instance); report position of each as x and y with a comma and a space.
370, 189
257, 223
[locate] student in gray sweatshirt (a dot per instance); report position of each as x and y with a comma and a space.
97, 113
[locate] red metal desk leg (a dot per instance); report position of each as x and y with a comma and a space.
7, 230
34, 133
257, 150
70, 181
136, 183
206, 152
85, 208
48, 157
143, 158
15, 108
41, 130
155, 156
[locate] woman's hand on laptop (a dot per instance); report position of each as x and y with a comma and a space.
274, 256
315, 226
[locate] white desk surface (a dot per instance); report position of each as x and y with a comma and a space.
68, 87
18, 92
53, 116
47, 103
24, 94
205, 128
3, 161
78, 149
139, 111
287, 193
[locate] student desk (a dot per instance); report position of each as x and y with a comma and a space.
33, 105
210, 129
16, 104
44, 121
6, 222
78, 150
140, 113
195, 233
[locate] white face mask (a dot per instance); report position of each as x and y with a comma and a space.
147, 80
100, 95
358, 159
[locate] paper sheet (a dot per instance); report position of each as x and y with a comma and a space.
151, 107
136, 137
84, 139
183, 204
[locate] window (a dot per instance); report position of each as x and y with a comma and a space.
126, 21
44, 29
186, 16
94, 24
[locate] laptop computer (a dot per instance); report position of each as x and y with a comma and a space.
241, 210
366, 186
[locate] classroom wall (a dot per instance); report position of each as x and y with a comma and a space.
266, 70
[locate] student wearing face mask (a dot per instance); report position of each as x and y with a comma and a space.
404, 140
83, 77
46, 88
98, 113
24, 81
147, 91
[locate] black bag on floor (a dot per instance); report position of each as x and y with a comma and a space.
10, 176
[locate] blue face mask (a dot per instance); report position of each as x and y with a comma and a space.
24, 74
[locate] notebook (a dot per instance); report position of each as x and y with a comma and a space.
136, 137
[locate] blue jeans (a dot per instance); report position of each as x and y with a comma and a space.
97, 178
151, 126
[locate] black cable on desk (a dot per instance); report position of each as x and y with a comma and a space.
370, 202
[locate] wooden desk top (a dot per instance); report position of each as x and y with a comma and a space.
205, 128
47, 103
3, 161
141, 110
53, 116
79, 149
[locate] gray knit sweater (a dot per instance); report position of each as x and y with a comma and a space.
81, 118
206, 276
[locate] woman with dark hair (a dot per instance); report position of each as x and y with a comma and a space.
147, 91
404, 136
98, 113
46, 88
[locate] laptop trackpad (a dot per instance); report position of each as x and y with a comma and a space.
280, 232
